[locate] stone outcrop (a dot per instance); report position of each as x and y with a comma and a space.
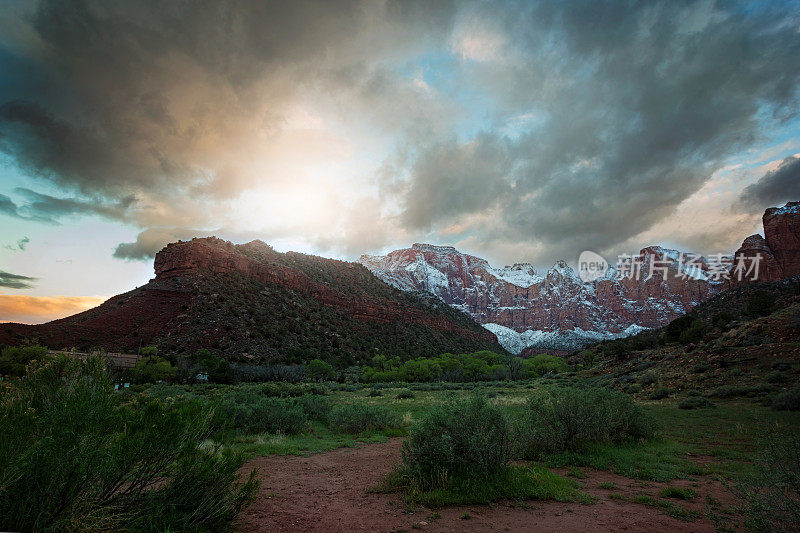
782, 232
774, 256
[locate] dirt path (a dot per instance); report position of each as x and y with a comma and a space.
327, 492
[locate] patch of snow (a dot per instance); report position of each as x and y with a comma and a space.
515, 341
522, 275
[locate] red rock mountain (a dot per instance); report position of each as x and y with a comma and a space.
248, 301
558, 311
779, 249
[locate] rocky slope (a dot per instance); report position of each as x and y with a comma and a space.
252, 303
558, 311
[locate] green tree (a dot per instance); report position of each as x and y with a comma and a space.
319, 370
153, 369
217, 368
14, 359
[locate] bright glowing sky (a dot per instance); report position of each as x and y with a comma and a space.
515, 131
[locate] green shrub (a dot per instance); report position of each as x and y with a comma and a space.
722, 319
405, 394
258, 414
358, 418
568, 418
788, 400
659, 394
694, 333
315, 407
648, 378
772, 491
673, 330
695, 402
319, 370
374, 393
13, 360
74, 456
760, 303
776, 376
463, 439
538, 365
678, 493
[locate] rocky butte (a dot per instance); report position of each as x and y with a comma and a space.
779, 249
557, 310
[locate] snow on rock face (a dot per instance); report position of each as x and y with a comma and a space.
521, 274
557, 310
515, 341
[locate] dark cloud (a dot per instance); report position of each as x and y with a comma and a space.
15, 281
152, 240
40, 207
638, 104
560, 126
774, 187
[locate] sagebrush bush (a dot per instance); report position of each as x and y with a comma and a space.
659, 394
567, 418
788, 400
314, 406
463, 439
259, 414
772, 492
74, 456
694, 402
358, 418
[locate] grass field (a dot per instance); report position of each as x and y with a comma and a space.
727, 434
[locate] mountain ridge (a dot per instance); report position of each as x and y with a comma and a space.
559, 311
250, 302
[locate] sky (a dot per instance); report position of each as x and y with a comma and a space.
515, 131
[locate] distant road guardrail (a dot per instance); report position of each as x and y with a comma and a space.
118, 360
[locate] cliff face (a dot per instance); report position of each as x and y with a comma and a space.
557, 311
249, 302
779, 249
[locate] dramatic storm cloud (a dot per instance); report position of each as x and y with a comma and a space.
519, 130
776, 186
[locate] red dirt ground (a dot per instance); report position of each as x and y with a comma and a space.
327, 492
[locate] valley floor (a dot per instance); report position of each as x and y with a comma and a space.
330, 492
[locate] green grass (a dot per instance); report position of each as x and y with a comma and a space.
577, 474
320, 439
533, 482
729, 434
678, 493
669, 508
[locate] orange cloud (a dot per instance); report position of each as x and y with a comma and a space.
38, 309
